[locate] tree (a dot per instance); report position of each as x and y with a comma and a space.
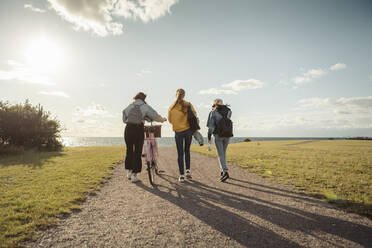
27, 126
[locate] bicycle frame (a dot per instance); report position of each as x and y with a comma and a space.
151, 154
151, 148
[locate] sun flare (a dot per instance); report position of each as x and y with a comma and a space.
43, 55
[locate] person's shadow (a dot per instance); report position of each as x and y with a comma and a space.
211, 205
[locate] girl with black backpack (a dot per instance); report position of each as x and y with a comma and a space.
220, 125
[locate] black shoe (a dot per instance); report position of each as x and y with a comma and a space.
221, 173
224, 177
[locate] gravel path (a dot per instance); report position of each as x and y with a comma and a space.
246, 211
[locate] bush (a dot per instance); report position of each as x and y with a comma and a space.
247, 140
23, 126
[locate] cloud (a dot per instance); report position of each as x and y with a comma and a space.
312, 74
94, 120
271, 122
204, 105
337, 67
54, 93
234, 87
305, 121
143, 73
98, 16
32, 8
343, 103
94, 128
93, 15
20, 72
214, 91
146, 10
309, 76
95, 110
239, 85
316, 116
342, 112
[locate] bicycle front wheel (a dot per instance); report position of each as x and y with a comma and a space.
151, 173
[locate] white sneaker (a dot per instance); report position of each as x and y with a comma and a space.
134, 178
188, 174
181, 178
129, 174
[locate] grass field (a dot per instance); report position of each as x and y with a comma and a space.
37, 188
337, 170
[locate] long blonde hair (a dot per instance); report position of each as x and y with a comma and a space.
180, 93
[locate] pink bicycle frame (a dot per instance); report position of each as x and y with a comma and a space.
151, 148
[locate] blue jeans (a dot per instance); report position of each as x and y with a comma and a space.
183, 142
221, 146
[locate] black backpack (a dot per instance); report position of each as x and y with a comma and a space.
224, 127
193, 120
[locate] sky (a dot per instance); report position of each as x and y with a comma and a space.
287, 68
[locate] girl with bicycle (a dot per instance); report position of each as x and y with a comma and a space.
134, 116
177, 116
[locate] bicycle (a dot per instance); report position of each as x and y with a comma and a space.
151, 151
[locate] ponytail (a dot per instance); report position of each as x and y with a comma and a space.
180, 95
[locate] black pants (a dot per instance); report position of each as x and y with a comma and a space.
134, 136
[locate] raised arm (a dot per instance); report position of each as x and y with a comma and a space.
153, 115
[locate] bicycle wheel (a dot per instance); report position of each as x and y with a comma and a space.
150, 173
157, 171
151, 169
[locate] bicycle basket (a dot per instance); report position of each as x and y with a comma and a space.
156, 129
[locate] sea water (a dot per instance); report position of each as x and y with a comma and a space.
164, 141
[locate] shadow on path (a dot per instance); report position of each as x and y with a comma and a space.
364, 209
223, 210
231, 224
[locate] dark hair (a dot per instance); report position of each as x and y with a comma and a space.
140, 95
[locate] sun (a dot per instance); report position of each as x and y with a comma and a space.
43, 55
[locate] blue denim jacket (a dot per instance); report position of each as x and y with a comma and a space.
213, 118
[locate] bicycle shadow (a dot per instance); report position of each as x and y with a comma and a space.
211, 205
